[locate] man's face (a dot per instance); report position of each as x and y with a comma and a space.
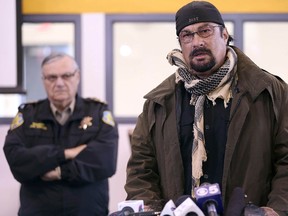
204, 51
61, 79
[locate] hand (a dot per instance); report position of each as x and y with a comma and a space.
52, 175
269, 211
71, 153
147, 208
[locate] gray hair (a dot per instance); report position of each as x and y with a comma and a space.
55, 56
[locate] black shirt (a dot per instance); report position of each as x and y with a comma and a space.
216, 118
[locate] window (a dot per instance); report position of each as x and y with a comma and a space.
39, 35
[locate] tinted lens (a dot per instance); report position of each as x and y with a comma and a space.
206, 32
186, 36
65, 76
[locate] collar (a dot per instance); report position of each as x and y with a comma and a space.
69, 109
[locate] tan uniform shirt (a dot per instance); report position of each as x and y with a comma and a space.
62, 116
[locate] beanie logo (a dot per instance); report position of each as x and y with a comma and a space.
194, 19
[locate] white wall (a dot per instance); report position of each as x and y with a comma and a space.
93, 55
93, 85
8, 43
8, 186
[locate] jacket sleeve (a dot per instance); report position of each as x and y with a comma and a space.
143, 180
99, 160
27, 163
278, 197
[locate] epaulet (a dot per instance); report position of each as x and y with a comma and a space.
95, 100
274, 75
27, 104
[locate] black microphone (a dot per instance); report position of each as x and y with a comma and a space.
208, 198
145, 213
124, 212
236, 203
187, 207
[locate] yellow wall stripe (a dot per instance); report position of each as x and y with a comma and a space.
147, 6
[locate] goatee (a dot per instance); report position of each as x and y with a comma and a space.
202, 67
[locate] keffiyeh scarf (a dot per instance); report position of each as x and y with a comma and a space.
218, 85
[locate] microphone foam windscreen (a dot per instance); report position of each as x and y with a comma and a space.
181, 199
236, 203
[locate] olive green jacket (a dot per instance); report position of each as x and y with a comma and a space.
256, 156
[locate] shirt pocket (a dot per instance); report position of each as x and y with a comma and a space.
38, 135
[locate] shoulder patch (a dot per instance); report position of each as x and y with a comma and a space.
17, 121
108, 118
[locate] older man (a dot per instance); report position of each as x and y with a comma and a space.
64, 148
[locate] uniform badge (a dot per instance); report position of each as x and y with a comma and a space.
17, 121
86, 122
38, 125
108, 118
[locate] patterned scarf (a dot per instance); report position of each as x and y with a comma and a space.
218, 85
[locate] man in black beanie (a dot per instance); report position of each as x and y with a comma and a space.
219, 119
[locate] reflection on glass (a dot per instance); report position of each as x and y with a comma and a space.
230, 28
139, 62
39, 40
9, 104
258, 46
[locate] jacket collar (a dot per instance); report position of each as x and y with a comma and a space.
251, 79
162, 91
45, 113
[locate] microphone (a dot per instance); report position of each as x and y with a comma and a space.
136, 205
125, 211
168, 209
128, 207
253, 210
236, 203
133, 208
128, 211
187, 207
145, 213
208, 198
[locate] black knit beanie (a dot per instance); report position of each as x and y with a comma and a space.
195, 12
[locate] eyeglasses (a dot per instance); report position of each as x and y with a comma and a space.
66, 76
203, 32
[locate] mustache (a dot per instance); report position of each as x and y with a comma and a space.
199, 51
